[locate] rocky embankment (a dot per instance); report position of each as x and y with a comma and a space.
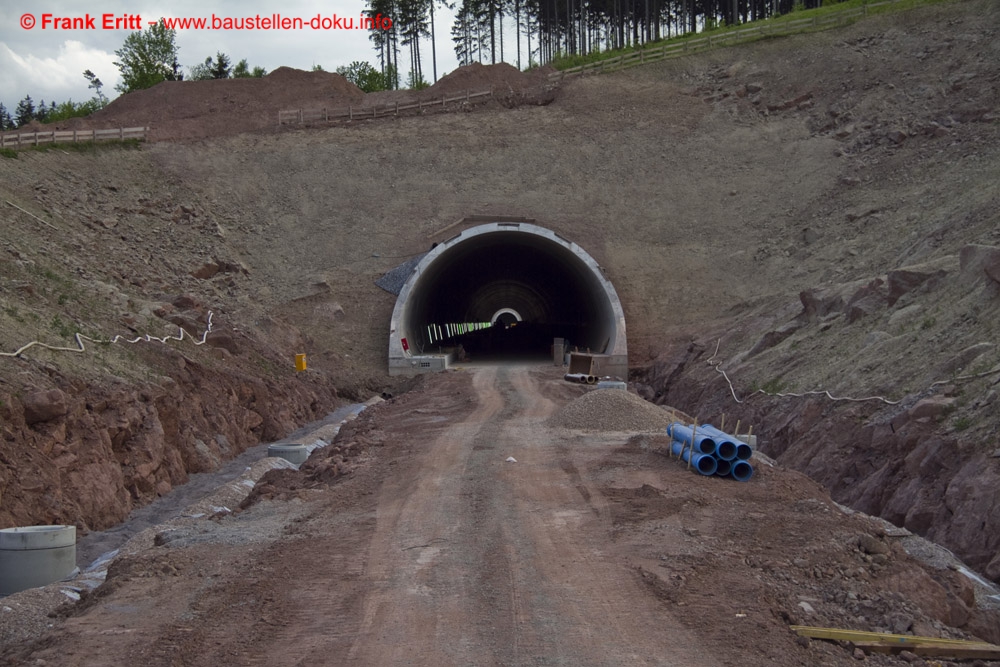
75, 453
928, 456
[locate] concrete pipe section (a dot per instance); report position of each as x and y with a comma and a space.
33, 556
292, 453
504, 292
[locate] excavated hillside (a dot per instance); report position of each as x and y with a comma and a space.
813, 213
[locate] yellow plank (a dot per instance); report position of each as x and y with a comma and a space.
882, 637
957, 652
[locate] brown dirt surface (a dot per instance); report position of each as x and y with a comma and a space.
198, 109
434, 550
191, 110
822, 207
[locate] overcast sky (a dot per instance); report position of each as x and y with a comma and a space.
48, 64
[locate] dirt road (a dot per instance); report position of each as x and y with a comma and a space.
476, 560
592, 549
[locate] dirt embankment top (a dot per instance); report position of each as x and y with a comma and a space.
203, 109
221, 107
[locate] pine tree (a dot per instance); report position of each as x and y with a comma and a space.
96, 85
221, 68
25, 111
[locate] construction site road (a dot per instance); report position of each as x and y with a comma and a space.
467, 530
478, 560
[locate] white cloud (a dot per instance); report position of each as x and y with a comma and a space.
48, 64
56, 76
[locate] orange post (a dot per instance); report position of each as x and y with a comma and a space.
300, 362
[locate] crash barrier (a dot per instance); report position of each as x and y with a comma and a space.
711, 451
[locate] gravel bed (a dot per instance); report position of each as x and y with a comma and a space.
611, 410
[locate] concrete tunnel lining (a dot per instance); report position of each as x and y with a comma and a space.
556, 287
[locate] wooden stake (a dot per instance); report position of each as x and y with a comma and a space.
737, 434
670, 434
694, 434
722, 427
32, 215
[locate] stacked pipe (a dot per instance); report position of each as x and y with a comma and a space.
710, 451
582, 378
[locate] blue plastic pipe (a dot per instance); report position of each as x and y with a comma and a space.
743, 451
741, 471
726, 445
724, 467
705, 464
704, 443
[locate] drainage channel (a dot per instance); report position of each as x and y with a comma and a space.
200, 485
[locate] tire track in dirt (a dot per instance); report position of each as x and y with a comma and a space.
415, 611
488, 562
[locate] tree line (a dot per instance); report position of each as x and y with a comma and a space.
548, 29
545, 30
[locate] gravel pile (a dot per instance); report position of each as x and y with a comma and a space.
611, 410
393, 281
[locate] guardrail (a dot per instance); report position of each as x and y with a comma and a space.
301, 116
19, 139
709, 41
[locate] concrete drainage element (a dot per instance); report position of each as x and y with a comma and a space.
32, 556
612, 384
296, 454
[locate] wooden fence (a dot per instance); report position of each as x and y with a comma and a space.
67, 136
300, 116
710, 41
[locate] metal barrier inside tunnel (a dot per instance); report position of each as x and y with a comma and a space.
504, 291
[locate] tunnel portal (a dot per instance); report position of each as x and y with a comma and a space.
504, 291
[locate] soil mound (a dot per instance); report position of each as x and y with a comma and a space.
476, 77
611, 410
198, 109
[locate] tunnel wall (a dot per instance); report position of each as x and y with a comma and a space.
515, 265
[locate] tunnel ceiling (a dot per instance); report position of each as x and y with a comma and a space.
475, 279
557, 289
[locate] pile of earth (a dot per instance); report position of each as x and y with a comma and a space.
184, 110
201, 109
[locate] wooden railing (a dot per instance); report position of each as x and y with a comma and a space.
300, 116
18, 139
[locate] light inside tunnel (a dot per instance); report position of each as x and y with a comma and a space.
506, 317
528, 284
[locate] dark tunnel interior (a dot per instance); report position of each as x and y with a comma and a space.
552, 290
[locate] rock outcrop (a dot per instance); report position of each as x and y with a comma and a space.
84, 455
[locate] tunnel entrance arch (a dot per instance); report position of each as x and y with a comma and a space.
448, 304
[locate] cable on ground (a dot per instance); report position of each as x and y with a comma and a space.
717, 366
80, 338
